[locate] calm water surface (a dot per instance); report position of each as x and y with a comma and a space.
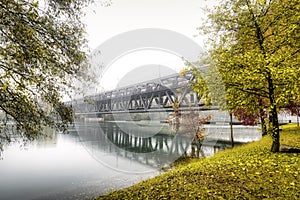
95, 158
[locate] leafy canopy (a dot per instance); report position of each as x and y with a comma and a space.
42, 51
255, 48
255, 42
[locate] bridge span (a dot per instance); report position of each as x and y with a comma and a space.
157, 95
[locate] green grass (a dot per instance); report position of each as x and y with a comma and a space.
249, 171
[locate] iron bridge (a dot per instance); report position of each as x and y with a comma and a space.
157, 95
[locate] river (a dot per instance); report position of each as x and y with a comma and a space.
97, 157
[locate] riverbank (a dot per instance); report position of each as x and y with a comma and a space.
249, 171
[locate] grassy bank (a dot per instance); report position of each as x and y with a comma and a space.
250, 171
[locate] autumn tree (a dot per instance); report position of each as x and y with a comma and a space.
255, 48
42, 50
245, 118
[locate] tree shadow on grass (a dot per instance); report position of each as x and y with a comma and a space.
289, 149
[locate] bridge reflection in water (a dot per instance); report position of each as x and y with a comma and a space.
110, 145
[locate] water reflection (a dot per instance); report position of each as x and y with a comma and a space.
110, 145
59, 168
97, 157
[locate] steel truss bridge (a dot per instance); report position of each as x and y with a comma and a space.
157, 95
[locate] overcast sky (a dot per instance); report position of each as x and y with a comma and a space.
126, 15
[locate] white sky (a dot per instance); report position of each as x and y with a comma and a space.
126, 15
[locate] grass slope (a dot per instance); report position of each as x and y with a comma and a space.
250, 171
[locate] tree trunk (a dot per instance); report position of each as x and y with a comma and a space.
273, 117
193, 152
276, 144
263, 125
231, 131
275, 130
263, 117
297, 116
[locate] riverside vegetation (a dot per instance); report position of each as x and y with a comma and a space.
249, 171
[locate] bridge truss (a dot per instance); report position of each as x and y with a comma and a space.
151, 96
